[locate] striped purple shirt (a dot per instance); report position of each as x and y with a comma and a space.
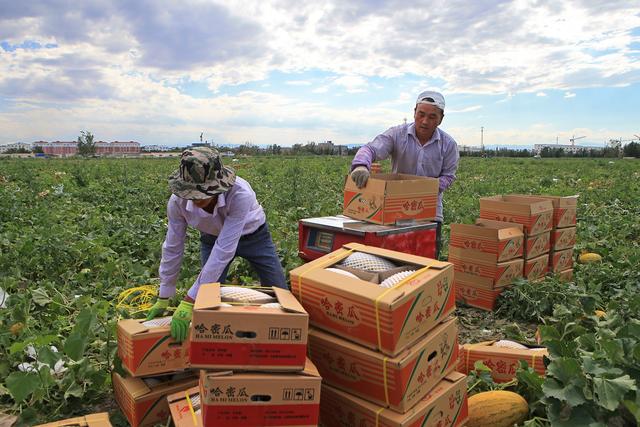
236, 214
438, 158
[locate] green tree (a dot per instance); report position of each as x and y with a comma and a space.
632, 149
86, 145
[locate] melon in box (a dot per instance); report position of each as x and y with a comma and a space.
406, 378
388, 198
444, 406
248, 336
485, 265
388, 318
146, 347
504, 239
536, 215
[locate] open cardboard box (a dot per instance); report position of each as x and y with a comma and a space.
185, 408
444, 406
486, 265
387, 319
536, 215
150, 350
563, 238
248, 337
537, 245
253, 399
504, 239
94, 420
476, 291
502, 361
143, 401
396, 382
388, 198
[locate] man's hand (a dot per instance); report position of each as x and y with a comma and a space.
158, 308
180, 321
360, 176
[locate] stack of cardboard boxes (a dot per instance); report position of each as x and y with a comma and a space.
488, 257
387, 355
252, 363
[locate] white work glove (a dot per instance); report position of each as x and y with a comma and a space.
360, 175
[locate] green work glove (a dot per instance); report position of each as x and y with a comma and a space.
180, 321
158, 308
360, 176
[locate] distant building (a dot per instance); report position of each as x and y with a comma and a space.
567, 148
15, 146
59, 148
469, 149
70, 148
155, 148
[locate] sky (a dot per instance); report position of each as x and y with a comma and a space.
513, 73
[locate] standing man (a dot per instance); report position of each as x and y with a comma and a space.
223, 207
418, 148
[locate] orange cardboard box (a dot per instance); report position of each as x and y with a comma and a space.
536, 268
564, 209
504, 239
561, 260
143, 402
94, 420
563, 238
254, 399
146, 347
502, 361
444, 406
185, 408
388, 198
388, 319
397, 382
536, 215
248, 337
537, 245
566, 276
486, 265
476, 291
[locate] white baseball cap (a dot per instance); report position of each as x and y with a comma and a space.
432, 98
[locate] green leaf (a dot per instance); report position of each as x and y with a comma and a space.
73, 390
40, 296
22, 384
569, 393
45, 355
610, 392
76, 343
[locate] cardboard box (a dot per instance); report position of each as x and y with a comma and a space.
185, 408
150, 350
444, 406
248, 337
504, 239
253, 399
144, 403
397, 382
537, 245
476, 291
388, 198
563, 238
566, 276
536, 268
94, 420
388, 319
561, 260
502, 361
486, 265
536, 215
564, 209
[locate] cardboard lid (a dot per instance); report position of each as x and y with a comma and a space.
521, 204
93, 420
309, 370
491, 231
387, 183
499, 225
136, 387
135, 326
288, 301
557, 201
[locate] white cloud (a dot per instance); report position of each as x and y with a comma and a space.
298, 83
569, 95
541, 94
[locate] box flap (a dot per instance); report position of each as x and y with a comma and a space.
175, 397
499, 225
288, 301
208, 297
93, 420
476, 281
473, 255
557, 201
133, 326
136, 387
411, 184
374, 185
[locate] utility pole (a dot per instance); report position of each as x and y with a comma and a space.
481, 138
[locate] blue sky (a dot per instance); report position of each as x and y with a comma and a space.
285, 72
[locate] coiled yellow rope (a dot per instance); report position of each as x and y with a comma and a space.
137, 299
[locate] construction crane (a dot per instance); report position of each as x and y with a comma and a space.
573, 140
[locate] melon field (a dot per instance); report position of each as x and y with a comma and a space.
76, 233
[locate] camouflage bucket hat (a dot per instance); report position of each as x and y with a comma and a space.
201, 175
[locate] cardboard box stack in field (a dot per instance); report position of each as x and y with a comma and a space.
536, 216
391, 198
487, 257
382, 336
